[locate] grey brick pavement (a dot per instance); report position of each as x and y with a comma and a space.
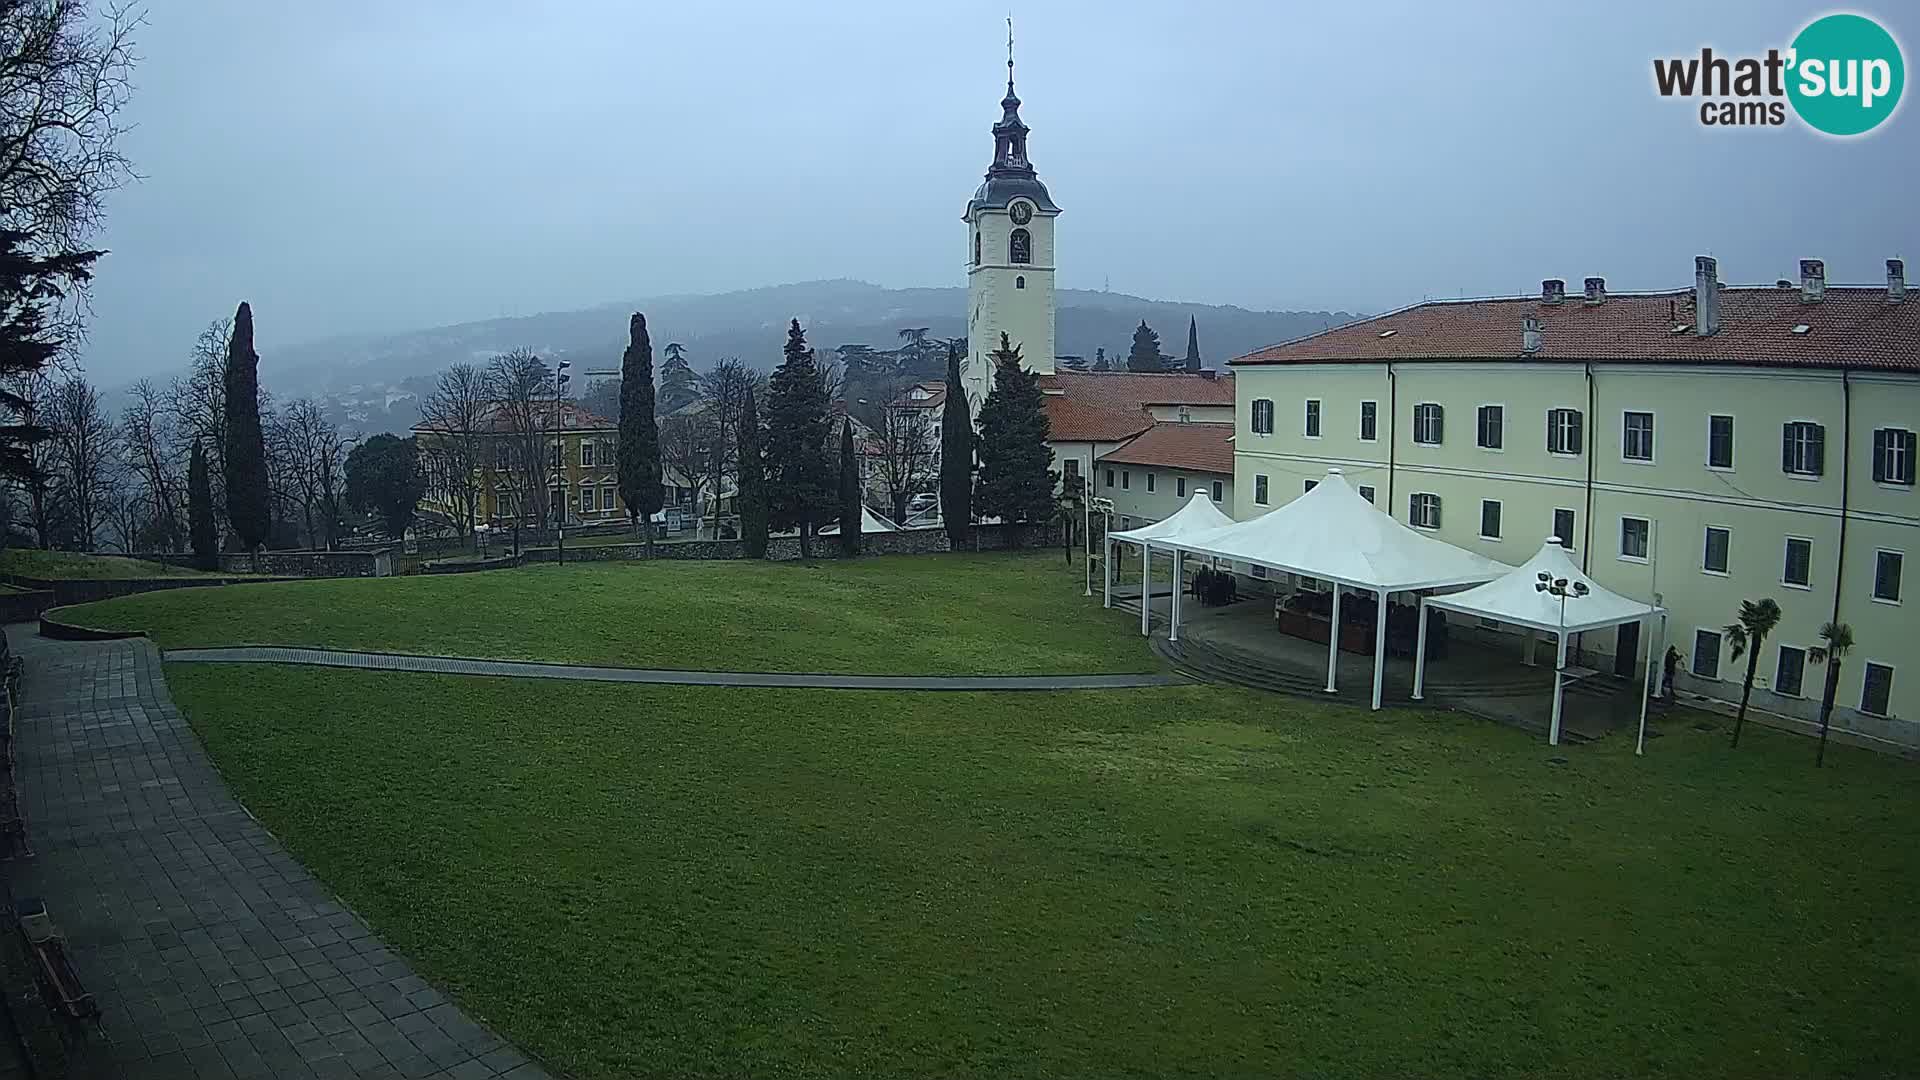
452, 665
211, 951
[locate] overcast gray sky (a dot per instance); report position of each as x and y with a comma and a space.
361, 165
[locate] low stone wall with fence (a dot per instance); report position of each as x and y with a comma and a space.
293, 564
787, 548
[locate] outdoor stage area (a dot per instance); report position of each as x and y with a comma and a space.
1240, 640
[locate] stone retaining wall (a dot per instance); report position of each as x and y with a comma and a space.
293, 564
787, 548
86, 590
25, 606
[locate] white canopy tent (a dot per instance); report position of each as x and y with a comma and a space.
1537, 595
1335, 534
870, 522
1198, 516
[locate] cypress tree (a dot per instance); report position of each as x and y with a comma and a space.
751, 495
1016, 485
956, 455
1145, 354
248, 507
850, 501
200, 525
639, 431
800, 488
1193, 344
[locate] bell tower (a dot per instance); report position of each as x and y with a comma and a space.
1010, 255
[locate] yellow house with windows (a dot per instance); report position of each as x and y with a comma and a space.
1699, 447
580, 470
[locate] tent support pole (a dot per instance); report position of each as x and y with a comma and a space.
1646, 692
1333, 639
1173, 633
1146, 587
1379, 649
1420, 654
1559, 672
1106, 572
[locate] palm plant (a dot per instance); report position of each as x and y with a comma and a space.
1755, 623
1838, 641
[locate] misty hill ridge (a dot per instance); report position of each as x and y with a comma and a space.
373, 380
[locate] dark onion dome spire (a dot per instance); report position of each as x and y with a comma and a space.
1011, 175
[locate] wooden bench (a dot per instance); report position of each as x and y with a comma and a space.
59, 984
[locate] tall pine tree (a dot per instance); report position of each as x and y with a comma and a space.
956, 455
249, 508
31, 288
679, 386
850, 501
1016, 485
201, 528
800, 488
751, 496
1145, 354
639, 465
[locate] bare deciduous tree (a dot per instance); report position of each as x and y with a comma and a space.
83, 453
458, 412
197, 403
315, 456
724, 390
908, 446
157, 484
522, 389
687, 448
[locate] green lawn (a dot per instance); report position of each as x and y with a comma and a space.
33, 562
660, 881
935, 615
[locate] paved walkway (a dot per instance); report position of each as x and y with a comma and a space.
211, 951
450, 665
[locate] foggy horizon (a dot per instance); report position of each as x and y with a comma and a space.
358, 170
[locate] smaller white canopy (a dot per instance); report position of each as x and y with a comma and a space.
1333, 532
870, 522
1512, 598
1199, 515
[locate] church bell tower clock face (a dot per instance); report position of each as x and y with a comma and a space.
1022, 212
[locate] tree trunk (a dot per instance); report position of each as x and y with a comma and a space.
1826, 708
806, 549
1746, 692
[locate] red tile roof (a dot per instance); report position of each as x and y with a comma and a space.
1200, 447
1130, 391
1071, 420
1853, 326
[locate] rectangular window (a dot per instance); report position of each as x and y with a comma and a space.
1262, 416
1489, 519
1369, 420
1802, 448
1714, 559
1070, 474
1310, 485
1893, 456
1790, 671
1179, 487
1876, 690
1149, 481
559, 457
1564, 431
1219, 491
1256, 570
1886, 575
1313, 418
1109, 477
1259, 490
1366, 492
1492, 427
1423, 510
1636, 436
1799, 568
1719, 442
586, 500
1563, 527
1633, 537
586, 454
606, 497
1428, 424
1126, 479
1706, 654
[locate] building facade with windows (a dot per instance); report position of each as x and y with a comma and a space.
1155, 474
580, 475
1702, 446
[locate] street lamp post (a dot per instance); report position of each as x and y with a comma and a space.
1559, 587
559, 465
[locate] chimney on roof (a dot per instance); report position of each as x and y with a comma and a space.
1596, 290
1530, 336
1553, 291
1896, 280
1706, 295
1813, 280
